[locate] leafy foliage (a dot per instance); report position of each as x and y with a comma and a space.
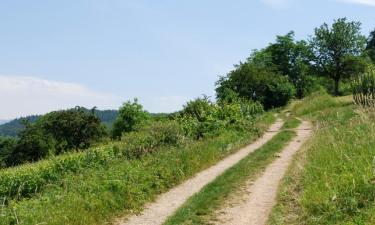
333, 45
371, 46
53, 134
201, 117
291, 58
258, 84
130, 115
72, 129
33, 145
6, 147
14, 127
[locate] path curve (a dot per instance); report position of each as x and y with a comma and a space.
166, 204
259, 197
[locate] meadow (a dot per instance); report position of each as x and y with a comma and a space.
331, 179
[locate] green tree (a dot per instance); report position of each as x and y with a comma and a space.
332, 45
6, 148
291, 59
130, 115
371, 46
33, 145
259, 84
72, 129
53, 134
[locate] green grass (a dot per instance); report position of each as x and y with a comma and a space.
98, 193
199, 209
336, 184
291, 123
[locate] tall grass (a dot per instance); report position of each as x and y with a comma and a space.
336, 185
314, 103
363, 88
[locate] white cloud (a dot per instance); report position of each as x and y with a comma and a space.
278, 4
362, 2
20, 96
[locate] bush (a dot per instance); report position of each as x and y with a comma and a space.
258, 84
200, 108
149, 138
131, 114
201, 117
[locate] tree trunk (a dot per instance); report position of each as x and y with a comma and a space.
337, 90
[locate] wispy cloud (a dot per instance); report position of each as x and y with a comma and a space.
278, 4
361, 2
22, 96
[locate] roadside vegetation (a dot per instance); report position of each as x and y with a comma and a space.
332, 179
72, 188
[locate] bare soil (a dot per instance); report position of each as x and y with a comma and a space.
254, 203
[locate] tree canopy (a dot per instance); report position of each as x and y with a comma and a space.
52, 134
130, 115
371, 46
260, 84
333, 45
291, 59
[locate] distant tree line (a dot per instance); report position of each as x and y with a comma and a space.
14, 127
52, 134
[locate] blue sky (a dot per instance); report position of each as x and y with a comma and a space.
58, 54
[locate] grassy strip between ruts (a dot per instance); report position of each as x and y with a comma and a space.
291, 123
332, 180
200, 208
98, 194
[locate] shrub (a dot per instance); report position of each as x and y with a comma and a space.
202, 118
130, 115
258, 84
198, 118
200, 108
151, 137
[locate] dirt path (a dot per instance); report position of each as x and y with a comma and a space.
255, 204
167, 203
